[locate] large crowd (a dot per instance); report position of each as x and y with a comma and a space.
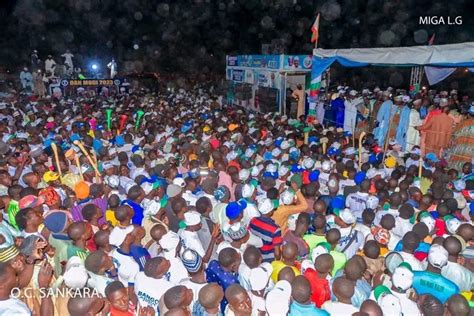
175, 204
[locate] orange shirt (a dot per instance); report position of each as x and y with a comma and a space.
284, 211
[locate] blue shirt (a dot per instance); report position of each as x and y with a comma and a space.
425, 282
297, 309
215, 273
140, 254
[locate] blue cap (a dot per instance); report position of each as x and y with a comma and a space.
278, 141
267, 156
333, 151
119, 141
337, 202
273, 175
313, 176
234, 209
432, 157
359, 177
295, 168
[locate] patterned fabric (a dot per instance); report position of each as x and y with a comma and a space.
215, 273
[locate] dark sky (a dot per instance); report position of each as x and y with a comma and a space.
195, 35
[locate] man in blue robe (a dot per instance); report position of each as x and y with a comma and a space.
338, 108
383, 118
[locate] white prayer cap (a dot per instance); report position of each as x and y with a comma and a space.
287, 197
265, 206
247, 190
326, 166
353, 93
283, 170
406, 98
192, 218
244, 174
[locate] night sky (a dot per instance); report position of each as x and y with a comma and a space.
191, 36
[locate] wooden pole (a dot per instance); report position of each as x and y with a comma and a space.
386, 139
361, 139
56, 158
88, 156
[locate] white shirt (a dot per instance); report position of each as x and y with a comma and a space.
415, 264
337, 308
126, 266
402, 226
68, 58
195, 287
364, 229
357, 203
150, 290
98, 282
455, 272
258, 304
244, 276
177, 271
409, 307
14, 306
357, 243
191, 240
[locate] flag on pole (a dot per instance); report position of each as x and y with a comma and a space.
430, 42
315, 31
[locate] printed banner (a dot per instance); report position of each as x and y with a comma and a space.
90, 82
255, 61
297, 62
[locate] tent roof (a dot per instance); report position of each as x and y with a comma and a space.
451, 55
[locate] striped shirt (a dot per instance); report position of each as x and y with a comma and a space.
266, 229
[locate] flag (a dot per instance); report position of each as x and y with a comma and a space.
315, 30
430, 42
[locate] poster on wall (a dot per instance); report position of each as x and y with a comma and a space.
267, 79
297, 62
238, 75
250, 77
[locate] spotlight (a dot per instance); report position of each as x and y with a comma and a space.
95, 67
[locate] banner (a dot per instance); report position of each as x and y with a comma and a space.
297, 62
255, 61
90, 82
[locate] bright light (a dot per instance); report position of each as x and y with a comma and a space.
94, 66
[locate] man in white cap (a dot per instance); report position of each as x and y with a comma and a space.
267, 230
402, 281
413, 135
350, 111
431, 281
351, 240
389, 303
190, 237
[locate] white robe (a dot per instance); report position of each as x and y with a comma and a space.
413, 136
350, 114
